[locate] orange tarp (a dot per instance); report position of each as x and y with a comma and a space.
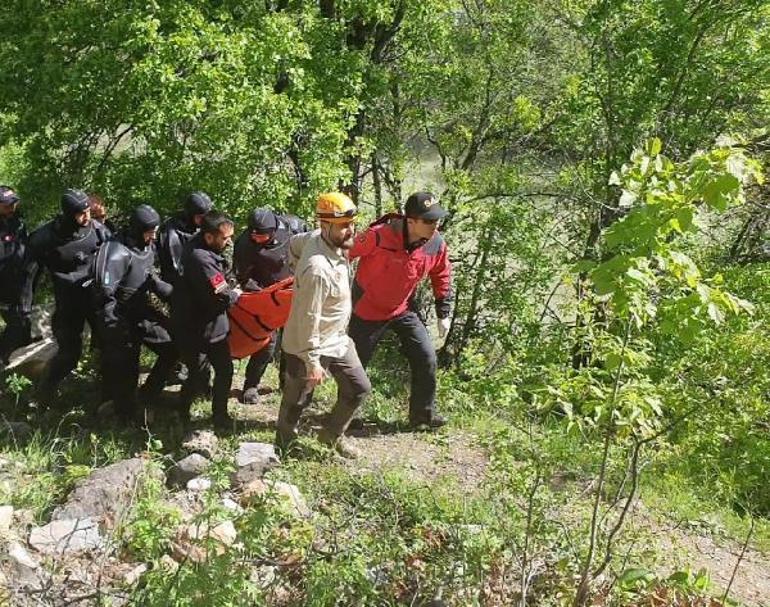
255, 316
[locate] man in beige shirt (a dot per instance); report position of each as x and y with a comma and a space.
315, 340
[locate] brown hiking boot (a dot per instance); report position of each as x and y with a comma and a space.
340, 444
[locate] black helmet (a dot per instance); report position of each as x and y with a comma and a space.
143, 218
73, 202
198, 203
263, 221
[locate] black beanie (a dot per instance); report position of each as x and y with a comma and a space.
73, 202
198, 203
263, 221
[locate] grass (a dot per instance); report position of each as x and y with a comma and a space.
380, 537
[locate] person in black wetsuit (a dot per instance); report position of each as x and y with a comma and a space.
260, 259
13, 245
124, 280
177, 231
65, 246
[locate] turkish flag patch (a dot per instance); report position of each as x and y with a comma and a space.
218, 282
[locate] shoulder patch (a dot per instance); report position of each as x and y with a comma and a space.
218, 282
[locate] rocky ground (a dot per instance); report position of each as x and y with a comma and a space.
74, 556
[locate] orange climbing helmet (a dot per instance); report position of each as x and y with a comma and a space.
335, 207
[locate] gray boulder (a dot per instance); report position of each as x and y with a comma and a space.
25, 570
204, 442
68, 537
252, 461
187, 469
106, 494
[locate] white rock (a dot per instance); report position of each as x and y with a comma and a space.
292, 496
168, 563
225, 533
21, 557
66, 536
132, 577
231, 505
199, 483
6, 518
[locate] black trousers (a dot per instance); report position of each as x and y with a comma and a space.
197, 359
69, 318
120, 363
416, 346
17, 332
258, 364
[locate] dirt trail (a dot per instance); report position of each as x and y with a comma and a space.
457, 457
681, 547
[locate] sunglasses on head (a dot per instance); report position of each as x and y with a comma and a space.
338, 214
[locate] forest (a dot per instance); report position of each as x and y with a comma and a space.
606, 375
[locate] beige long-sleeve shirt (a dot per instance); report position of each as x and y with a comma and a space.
321, 306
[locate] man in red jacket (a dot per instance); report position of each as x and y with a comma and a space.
396, 252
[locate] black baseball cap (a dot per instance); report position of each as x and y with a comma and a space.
7, 195
424, 205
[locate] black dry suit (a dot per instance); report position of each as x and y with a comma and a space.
257, 266
129, 316
67, 250
176, 232
13, 245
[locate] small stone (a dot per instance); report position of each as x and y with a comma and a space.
25, 570
21, 557
231, 505
253, 460
191, 539
288, 494
132, 577
292, 497
168, 563
253, 491
264, 576
185, 551
250, 453
187, 469
6, 518
203, 442
199, 483
24, 517
224, 533
66, 537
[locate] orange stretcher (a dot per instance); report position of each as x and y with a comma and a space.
255, 316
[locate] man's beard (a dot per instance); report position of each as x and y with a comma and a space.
343, 243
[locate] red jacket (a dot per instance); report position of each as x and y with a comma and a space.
389, 272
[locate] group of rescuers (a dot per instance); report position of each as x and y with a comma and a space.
114, 280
